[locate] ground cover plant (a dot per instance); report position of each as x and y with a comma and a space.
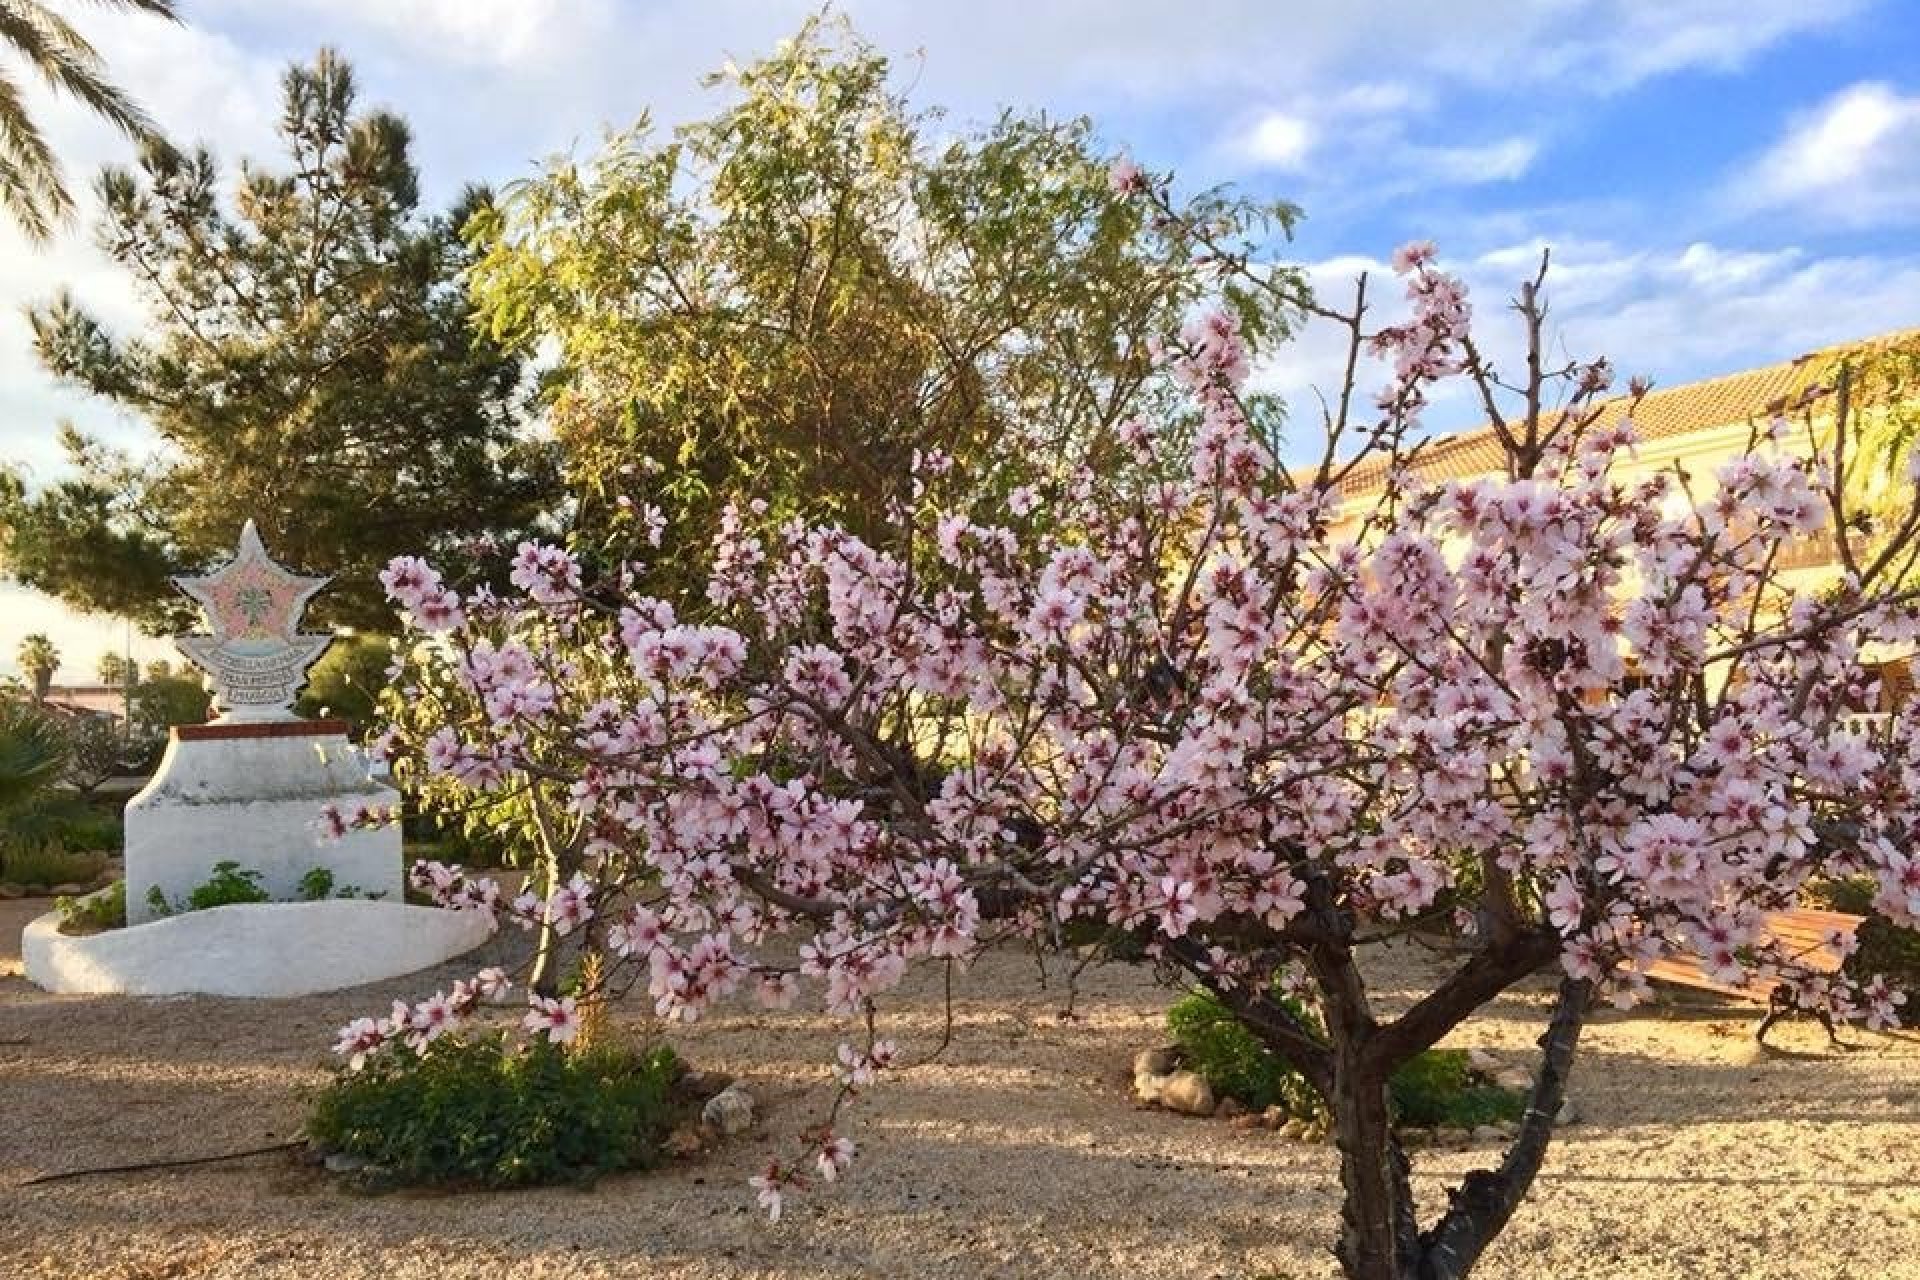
1257, 718
476, 1109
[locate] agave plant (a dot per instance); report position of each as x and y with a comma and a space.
33, 756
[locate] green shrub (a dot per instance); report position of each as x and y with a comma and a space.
471, 1109
228, 884
45, 862
1435, 1088
66, 819
316, 885
1233, 1062
93, 829
95, 912
1885, 947
1439, 1088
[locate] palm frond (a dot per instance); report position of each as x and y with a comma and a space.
64, 59
30, 186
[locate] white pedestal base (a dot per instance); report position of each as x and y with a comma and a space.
252, 949
252, 794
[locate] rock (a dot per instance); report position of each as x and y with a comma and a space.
1413, 1139
1567, 1114
68, 890
1246, 1120
704, 1084
730, 1111
1163, 1061
346, 1162
685, 1141
1448, 1136
1515, 1079
1486, 1135
1230, 1109
10, 890
1482, 1061
1188, 1093
1274, 1117
1147, 1085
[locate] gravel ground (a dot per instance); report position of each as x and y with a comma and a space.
1017, 1154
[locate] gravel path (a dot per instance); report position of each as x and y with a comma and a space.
1017, 1154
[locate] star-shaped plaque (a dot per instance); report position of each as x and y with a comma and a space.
257, 655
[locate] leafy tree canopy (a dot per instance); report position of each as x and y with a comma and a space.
794, 296
309, 362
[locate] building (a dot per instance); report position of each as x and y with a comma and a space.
88, 699
1697, 427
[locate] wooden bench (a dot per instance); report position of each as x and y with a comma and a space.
1802, 933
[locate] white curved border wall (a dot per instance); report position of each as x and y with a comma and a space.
252, 949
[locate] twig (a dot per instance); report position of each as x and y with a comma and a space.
161, 1164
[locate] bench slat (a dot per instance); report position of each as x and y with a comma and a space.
1801, 932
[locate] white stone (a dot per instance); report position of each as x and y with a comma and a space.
730, 1111
1162, 1061
1188, 1093
1147, 1085
252, 949
256, 801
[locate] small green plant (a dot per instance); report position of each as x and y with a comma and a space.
47, 862
318, 885
95, 912
157, 902
230, 883
1436, 1088
473, 1109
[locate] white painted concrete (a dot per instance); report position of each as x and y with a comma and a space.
252, 949
255, 801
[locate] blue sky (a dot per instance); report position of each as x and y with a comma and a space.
1723, 182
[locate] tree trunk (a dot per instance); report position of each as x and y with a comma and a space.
1378, 1231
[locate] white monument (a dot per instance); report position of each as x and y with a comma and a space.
250, 786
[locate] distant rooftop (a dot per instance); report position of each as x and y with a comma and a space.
1752, 395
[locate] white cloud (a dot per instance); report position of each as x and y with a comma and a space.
1854, 160
1500, 161
1275, 140
1674, 314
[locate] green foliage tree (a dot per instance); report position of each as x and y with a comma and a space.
347, 681
310, 362
1878, 418
31, 187
794, 296
39, 660
160, 702
114, 669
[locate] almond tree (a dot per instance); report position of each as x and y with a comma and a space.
1226, 709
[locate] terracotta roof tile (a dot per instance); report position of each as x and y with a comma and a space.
1749, 396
